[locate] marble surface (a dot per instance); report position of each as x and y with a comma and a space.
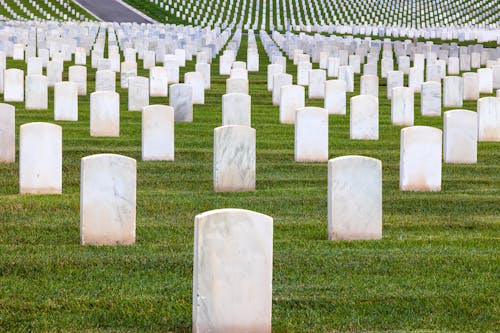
460, 136
138, 93
232, 271
488, 117
496, 76
292, 98
453, 92
485, 80
37, 92
66, 101
432, 73
404, 64
364, 117
197, 83
234, 158
354, 62
7, 133
416, 78
13, 85
40, 158
128, 70
386, 67
402, 106
54, 72
453, 66
236, 109
430, 99
107, 200
272, 69
420, 159
78, 75
172, 67
158, 133
104, 113
317, 78
238, 73
279, 80
335, 96
333, 67
34, 66
204, 69
105, 80
354, 198
471, 86
346, 73
158, 81
368, 85
303, 69
181, 99
394, 79
311, 135
225, 64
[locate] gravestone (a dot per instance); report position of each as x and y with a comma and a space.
40, 158
271, 71
488, 119
303, 69
292, 97
311, 135
354, 198
369, 85
485, 80
128, 70
158, 133
402, 106
204, 69
453, 92
236, 109
105, 80
54, 72
78, 75
430, 99
346, 74
158, 81
471, 86
317, 78
66, 101
394, 79
37, 93
241, 240
420, 159
416, 78
7, 133
280, 80
181, 99
239, 73
172, 71
13, 85
234, 158
237, 86
333, 67
197, 82
104, 113
138, 93
107, 200
460, 136
34, 66
335, 96
364, 117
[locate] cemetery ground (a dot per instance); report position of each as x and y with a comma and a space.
436, 268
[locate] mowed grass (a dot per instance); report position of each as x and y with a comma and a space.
436, 268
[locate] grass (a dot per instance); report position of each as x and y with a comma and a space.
436, 268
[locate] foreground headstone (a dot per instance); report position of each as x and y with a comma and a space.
66, 101
311, 135
354, 198
104, 113
181, 99
138, 93
37, 94
107, 200
13, 85
335, 96
236, 109
430, 99
40, 158
158, 133
292, 98
234, 158
420, 159
402, 106
488, 119
7, 133
364, 117
232, 271
460, 136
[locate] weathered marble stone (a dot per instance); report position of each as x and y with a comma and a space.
80, 56
18, 52
471, 86
104, 113
394, 79
34, 66
236, 109
158, 133
197, 82
460, 136
37, 94
128, 70
233, 258
138, 93
416, 78
387, 66
234, 158
311, 135
488, 119
354, 62
239, 73
225, 64
172, 71
130, 55
370, 69
419, 61
404, 64
402, 106
105, 80
453, 66
280, 80
433, 73
430, 100
464, 62
7, 133
485, 80
271, 71
66, 101
181, 99
54, 72
364, 117
303, 69
253, 60
158, 81
346, 74
78, 75
40, 158
204, 69
237, 86
333, 67
108, 200
420, 159
317, 78
335, 96
180, 54
149, 59
292, 97
13, 85
453, 92
354, 198
369, 85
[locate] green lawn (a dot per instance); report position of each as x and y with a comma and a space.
436, 268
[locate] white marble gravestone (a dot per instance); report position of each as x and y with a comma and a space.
37, 93
108, 200
292, 97
369, 85
204, 69
471, 86
453, 66
54, 72
237, 85
40, 158
394, 79
13, 85
236, 109
416, 78
280, 80
271, 71
128, 70
488, 119
346, 74
303, 69
104, 113
453, 92
402, 106
234, 158
485, 80
105, 80
239, 73
364, 117
335, 96
158, 81
138, 93
311, 135
34, 66
7, 133
354, 198
182, 101
333, 67
78, 75
460, 136
232, 271
430, 99
420, 159
66, 101
158, 133
172, 71
317, 78
197, 82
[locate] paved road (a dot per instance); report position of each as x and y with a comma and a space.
112, 11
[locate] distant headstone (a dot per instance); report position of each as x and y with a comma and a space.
181, 99
335, 96
364, 117
460, 136
292, 98
13, 85
66, 101
402, 106
430, 99
158, 133
280, 80
453, 92
311, 135
105, 80
104, 113
37, 94
138, 93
